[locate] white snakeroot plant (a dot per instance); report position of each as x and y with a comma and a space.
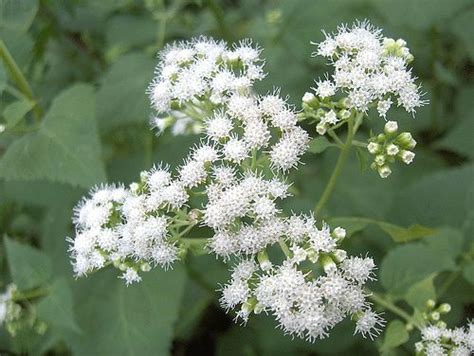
233, 182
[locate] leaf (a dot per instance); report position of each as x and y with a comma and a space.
66, 147
468, 272
135, 320
16, 111
57, 307
29, 267
17, 15
420, 292
406, 265
396, 334
362, 157
122, 94
401, 234
319, 144
397, 233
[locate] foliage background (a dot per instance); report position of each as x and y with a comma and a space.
89, 62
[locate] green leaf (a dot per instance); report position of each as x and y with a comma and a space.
362, 157
66, 147
406, 265
16, 111
396, 334
122, 94
17, 15
420, 292
120, 320
319, 144
397, 233
468, 272
29, 267
401, 234
57, 307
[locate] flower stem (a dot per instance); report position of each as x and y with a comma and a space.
388, 305
19, 78
339, 165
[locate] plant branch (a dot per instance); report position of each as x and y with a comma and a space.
19, 78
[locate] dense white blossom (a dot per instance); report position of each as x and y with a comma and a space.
369, 69
440, 340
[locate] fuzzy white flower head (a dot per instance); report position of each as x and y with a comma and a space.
368, 68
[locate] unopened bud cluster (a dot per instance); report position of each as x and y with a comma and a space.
389, 147
438, 339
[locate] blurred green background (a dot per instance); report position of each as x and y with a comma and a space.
88, 64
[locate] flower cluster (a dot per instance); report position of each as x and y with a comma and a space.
369, 69
192, 76
439, 340
305, 303
230, 183
389, 147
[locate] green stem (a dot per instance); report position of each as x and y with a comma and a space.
388, 305
19, 78
34, 293
284, 248
339, 165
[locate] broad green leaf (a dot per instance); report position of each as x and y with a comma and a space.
420, 292
120, 320
125, 32
122, 96
66, 147
406, 265
29, 267
57, 307
396, 334
445, 198
458, 139
397, 233
468, 272
16, 111
319, 144
17, 15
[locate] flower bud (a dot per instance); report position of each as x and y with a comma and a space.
309, 98
444, 308
430, 303
263, 260
405, 139
344, 114
379, 160
321, 128
339, 233
384, 171
392, 149
339, 255
435, 316
407, 156
391, 127
134, 187
373, 148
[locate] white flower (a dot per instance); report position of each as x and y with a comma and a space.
218, 127
235, 150
407, 156
391, 127
131, 276
325, 88
369, 324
